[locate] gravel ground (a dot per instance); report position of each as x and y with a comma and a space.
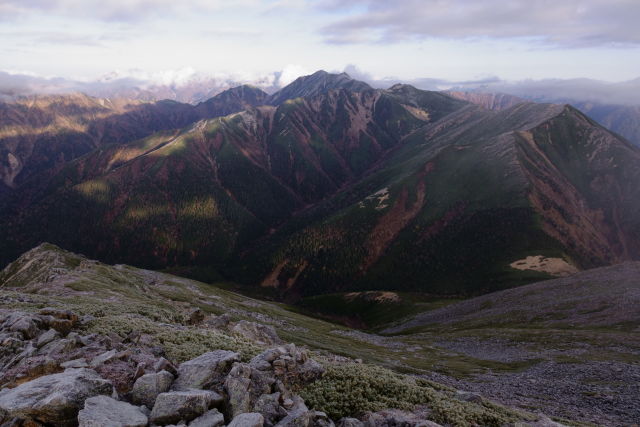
604, 393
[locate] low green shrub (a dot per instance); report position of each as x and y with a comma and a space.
353, 389
181, 343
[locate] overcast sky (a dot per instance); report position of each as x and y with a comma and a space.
406, 39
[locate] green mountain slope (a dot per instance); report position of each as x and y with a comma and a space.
42, 133
348, 189
199, 195
462, 200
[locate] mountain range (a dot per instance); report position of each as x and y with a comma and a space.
450, 228
622, 119
326, 186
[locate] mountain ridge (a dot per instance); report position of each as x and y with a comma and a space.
316, 83
348, 190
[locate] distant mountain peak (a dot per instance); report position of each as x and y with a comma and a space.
232, 100
316, 83
490, 101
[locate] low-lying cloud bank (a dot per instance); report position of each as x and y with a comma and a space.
545, 90
187, 85
184, 85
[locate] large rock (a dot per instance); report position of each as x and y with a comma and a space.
174, 406
53, 399
244, 385
80, 362
147, 388
212, 418
249, 419
103, 411
58, 349
268, 405
350, 422
47, 337
257, 332
320, 419
289, 364
103, 358
27, 325
206, 370
299, 415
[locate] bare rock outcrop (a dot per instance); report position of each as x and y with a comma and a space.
104, 411
53, 399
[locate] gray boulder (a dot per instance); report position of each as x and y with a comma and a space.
269, 406
147, 388
212, 418
350, 422
26, 324
47, 337
320, 419
53, 399
248, 419
244, 385
174, 406
103, 358
289, 364
75, 363
103, 411
163, 364
299, 415
58, 349
206, 370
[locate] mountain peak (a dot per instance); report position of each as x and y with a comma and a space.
232, 100
316, 83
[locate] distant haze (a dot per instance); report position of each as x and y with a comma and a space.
457, 40
189, 86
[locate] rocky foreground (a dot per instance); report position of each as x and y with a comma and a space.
84, 343
53, 374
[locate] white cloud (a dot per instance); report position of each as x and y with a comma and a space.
566, 23
290, 73
184, 84
114, 10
